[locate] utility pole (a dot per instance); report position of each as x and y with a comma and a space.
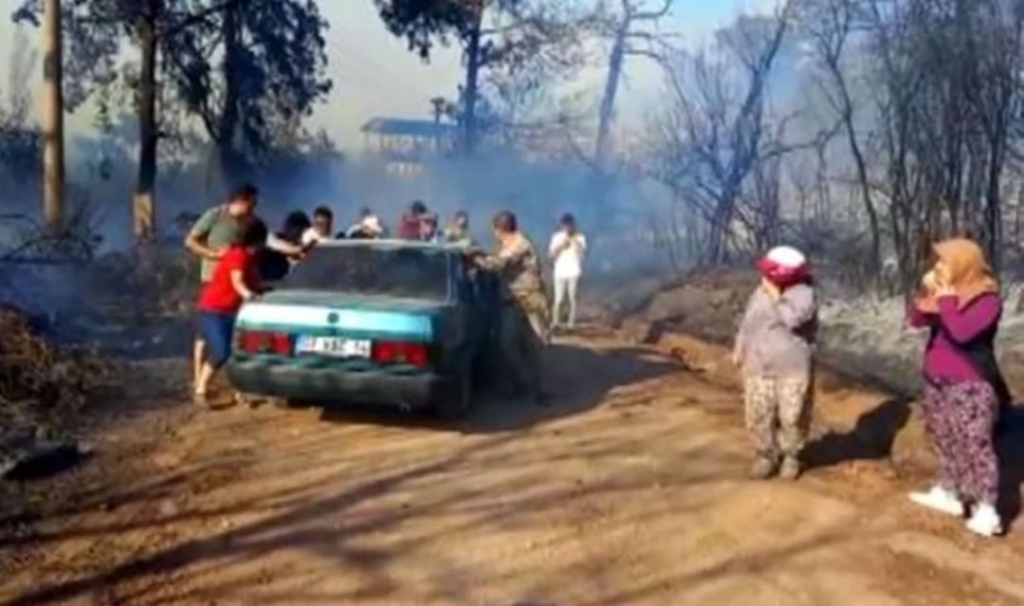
473, 65
53, 118
438, 104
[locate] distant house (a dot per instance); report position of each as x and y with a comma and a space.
405, 143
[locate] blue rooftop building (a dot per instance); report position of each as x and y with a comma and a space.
404, 143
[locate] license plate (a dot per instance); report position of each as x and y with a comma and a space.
334, 346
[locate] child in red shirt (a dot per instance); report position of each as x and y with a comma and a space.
235, 280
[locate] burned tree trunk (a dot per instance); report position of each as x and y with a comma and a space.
230, 154
611, 87
144, 203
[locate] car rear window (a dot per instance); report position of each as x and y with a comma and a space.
373, 269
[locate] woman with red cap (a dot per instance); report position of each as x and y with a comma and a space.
774, 347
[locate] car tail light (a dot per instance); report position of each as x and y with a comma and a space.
397, 352
257, 341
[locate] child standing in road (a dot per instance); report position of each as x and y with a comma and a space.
774, 347
567, 249
235, 280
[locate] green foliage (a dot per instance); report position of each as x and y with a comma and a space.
514, 50
243, 67
271, 72
422, 22
514, 34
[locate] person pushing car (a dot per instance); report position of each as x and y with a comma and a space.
524, 321
209, 239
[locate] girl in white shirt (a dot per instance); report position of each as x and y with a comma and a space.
568, 247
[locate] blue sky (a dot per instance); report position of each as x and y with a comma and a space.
374, 73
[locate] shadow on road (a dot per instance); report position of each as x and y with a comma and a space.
334, 529
870, 439
873, 436
1010, 446
577, 377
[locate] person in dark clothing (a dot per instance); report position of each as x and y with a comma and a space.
295, 225
523, 322
964, 388
285, 248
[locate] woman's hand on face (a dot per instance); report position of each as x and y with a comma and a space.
770, 289
929, 282
940, 286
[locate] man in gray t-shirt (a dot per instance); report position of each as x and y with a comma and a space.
216, 230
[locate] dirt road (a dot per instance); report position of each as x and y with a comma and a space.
630, 490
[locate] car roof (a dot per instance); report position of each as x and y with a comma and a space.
391, 244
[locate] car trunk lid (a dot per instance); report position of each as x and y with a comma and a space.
357, 331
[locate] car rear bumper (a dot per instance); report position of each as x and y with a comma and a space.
332, 386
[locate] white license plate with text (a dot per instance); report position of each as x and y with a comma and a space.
334, 346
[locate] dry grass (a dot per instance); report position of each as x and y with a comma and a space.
41, 384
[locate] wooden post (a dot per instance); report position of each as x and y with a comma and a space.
53, 118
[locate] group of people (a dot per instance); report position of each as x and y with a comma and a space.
301, 232
958, 303
232, 243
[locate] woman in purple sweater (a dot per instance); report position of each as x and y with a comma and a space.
964, 389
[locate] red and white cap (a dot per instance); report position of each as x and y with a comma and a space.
783, 265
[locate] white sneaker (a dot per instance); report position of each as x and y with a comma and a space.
985, 521
939, 499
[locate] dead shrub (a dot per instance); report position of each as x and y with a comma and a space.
40, 383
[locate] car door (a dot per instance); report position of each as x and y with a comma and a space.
465, 303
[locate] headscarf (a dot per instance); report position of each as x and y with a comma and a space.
784, 266
969, 273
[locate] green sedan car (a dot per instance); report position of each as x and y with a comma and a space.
380, 322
